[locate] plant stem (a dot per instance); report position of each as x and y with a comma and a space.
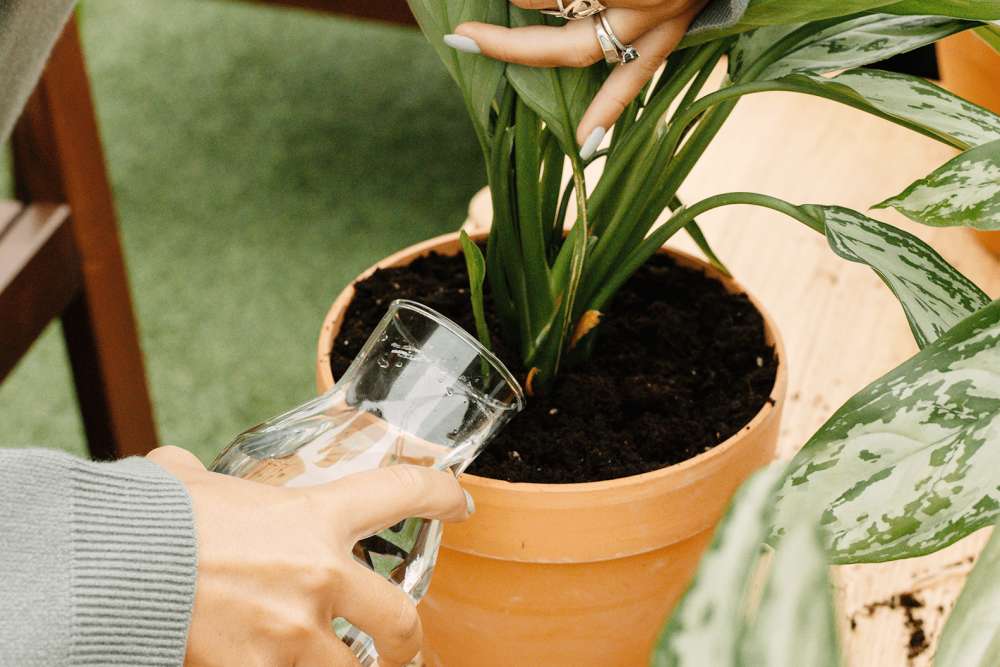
640, 133
679, 220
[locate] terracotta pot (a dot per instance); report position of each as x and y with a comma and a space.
971, 68
575, 575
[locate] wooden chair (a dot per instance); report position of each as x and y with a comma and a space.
60, 256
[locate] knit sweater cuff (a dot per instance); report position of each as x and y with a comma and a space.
133, 564
719, 14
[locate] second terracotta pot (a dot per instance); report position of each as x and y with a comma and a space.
971, 68
575, 575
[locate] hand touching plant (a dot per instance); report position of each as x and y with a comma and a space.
653, 27
549, 290
275, 564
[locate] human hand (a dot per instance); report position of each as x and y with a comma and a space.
275, 564
654, 27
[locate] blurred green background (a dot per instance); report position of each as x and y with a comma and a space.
260, 159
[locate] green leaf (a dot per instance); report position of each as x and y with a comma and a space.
476, 266
566, 274
476, 76
985, 10
785, 12
971, 637
705, 627
531, 231
694, 231
900, 98
934, 295
795, 623
920, 102
774, 12
725, 621
851, 43
990, 34
908, 465
559, 95
964, 191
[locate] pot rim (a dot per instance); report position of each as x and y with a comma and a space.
325, 380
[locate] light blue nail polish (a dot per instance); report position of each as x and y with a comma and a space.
462, 43
470, 504
594, 140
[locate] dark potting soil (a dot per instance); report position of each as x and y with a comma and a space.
908, 603
679, 366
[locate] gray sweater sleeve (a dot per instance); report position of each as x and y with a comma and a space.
719, 14
98, 562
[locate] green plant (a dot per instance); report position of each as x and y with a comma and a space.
754, 604
905, 467
549, 290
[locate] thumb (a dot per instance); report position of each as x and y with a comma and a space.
175, 459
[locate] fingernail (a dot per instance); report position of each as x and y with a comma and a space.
462, 43
470, 504
594, 140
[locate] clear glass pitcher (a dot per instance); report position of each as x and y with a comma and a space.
421, 391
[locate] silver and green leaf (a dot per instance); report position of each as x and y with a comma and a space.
923, 104
908, 465
837, 45
934, 295
749, 606
964, 191
971, 637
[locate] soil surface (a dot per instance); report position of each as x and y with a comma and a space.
679, 366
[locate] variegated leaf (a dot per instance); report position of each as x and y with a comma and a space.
794, 623
909, 464
903, 99
922, 103
933, 294
964, 191
559, 95
477, 77
971, 637
851, 43
705, 627
762, 13
726, 620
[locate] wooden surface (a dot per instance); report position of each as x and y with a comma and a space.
58, 159
841, 326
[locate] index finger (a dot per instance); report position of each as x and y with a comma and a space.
373, 500
625, 82
571, 45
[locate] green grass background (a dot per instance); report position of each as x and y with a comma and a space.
261, 157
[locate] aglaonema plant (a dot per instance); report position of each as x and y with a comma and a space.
907, 466
550, 289
922, 475
920, 445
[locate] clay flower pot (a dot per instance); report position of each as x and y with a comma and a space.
971, 68
575, 575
